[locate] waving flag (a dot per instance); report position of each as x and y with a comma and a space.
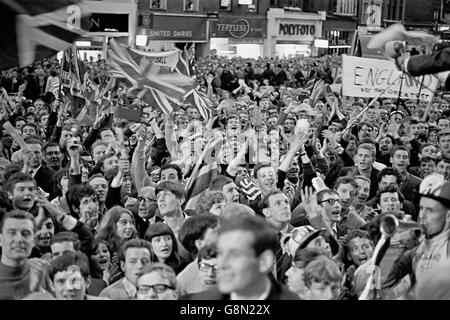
193, 97
204, 172
35, 29
143, 74
201, 101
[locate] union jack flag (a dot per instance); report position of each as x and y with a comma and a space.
205, 170
194, 97
149, 81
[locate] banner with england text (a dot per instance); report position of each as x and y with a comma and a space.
367, 78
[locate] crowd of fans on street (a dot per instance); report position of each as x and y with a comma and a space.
303, 179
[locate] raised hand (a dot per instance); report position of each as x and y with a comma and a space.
141, 133
124, 165
309, 199
299, 141
74, 148
38, 271
257, 118
209, 79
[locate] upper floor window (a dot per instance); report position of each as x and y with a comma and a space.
190, 5
158, 4
225, 4
346, 7
252, 5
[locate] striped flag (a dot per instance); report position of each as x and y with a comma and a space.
205, 170
143, 74
35, 29
194, 97
201, 101
185, 63
249, 188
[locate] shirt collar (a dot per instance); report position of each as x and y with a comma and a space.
129, 288
34, 171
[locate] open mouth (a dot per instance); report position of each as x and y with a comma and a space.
164, 250
362, 260
210, 282
336, 214
44, 238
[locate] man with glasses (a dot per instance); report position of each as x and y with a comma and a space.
157, 281
207, 266
146, 211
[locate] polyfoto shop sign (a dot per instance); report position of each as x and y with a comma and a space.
239, 28
292, 29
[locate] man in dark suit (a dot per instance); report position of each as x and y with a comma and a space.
246, 253
364, 158
409, 184
33, 163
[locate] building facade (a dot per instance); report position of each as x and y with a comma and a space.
292, 32
240, 30
166, 24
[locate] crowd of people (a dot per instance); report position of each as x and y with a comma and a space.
294, 207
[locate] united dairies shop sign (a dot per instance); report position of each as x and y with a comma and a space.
239, 28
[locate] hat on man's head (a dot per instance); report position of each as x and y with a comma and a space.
436, 187
396, 111
308, 238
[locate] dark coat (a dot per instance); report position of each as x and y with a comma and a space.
410, 188
353, 171
44, 177
277, 292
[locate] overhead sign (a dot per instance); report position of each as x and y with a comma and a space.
367, 78
239, 28
178, 28
295, 29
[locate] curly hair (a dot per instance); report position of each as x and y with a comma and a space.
207, 200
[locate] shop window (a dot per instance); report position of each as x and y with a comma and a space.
190, 5
225, 4
158, 4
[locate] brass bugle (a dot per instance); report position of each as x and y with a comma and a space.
388, 225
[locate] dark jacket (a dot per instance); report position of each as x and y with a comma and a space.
277, 292
410, 188
353, 171
436, 62
44, 177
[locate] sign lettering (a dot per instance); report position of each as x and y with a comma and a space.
367, 78
296, 29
